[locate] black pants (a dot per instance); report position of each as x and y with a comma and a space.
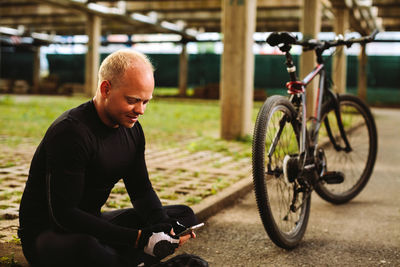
59, 249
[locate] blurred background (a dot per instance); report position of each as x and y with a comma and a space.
44, 43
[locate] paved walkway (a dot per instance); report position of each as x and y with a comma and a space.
363, 232
178, 175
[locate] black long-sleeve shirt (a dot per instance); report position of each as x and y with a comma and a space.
73, 171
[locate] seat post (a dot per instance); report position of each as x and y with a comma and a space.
290, 67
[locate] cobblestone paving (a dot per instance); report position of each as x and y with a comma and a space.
178, 175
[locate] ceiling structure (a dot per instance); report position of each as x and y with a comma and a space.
43, 19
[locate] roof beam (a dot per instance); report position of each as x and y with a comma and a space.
216, 15
392, 12
116, 14
380, 3
190, 5
42, 20
32, 10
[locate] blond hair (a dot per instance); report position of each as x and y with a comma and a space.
114, 65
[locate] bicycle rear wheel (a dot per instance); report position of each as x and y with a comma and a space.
276, 139
358, 163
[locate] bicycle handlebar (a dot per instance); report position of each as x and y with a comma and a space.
323, 45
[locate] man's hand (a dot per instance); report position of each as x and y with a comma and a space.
183, 239
161, 245
176, 225
157, 241
160, 241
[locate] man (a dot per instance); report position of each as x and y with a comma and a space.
82, 155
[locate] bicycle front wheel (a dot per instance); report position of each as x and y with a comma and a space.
283, 209
356, 163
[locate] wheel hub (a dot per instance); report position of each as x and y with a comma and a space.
290, 167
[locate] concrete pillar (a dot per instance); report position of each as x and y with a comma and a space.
36, 71
310, 27
362, 73
183, 71
93, 30
339, 63
237, 67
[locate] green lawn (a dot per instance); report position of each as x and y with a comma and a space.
165, 122
28, 117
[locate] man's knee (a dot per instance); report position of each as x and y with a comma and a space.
189, 213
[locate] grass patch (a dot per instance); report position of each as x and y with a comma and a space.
6, 196
193, 200
242, 147
9, 194
166, 121
170, 121
171, 91
9, 261
30, 116
7, 164
172, 196
119, 190
116, 205
15, 240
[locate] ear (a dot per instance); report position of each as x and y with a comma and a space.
105, 88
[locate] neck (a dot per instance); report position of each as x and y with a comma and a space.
101, 112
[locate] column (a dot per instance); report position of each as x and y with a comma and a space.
339, 63
93, 30
183, 70
310, 27
237, 67
362, 73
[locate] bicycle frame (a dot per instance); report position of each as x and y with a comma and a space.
309, 137
297, 89
319, 70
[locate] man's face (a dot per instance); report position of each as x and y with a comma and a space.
128, 97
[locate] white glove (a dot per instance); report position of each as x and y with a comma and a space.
161, 245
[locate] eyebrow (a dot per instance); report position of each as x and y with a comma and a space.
137, 98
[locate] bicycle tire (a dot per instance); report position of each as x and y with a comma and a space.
356, 165
285, 228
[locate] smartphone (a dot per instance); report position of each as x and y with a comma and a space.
190, 229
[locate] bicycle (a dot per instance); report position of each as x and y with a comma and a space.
293, 156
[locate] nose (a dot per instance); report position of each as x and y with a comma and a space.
139, 108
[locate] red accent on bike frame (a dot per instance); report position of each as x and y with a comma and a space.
319, 66
316, 103
313, 73
296, 87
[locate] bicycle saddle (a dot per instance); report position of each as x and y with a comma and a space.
285, 38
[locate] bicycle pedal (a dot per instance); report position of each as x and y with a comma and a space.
333, 177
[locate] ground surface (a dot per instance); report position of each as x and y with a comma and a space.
365, 232
179, 175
